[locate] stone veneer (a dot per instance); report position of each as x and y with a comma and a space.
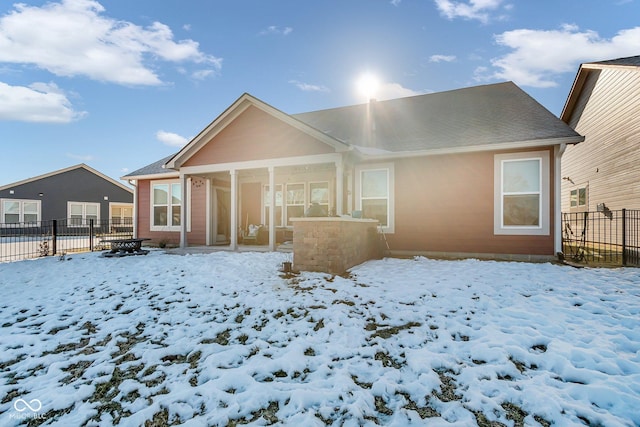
333, 244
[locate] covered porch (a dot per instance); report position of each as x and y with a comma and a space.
239, 195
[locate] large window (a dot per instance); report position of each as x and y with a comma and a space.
319, 193
295, 201
81, 213
16, 211
522, 201
166, 205
267, 205
375, 194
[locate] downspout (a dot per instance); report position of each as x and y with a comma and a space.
558, 152
134, 184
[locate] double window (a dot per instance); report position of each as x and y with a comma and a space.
578, 199
121, 215
16, 211
521, 195
374, 190
81, 213
166, 205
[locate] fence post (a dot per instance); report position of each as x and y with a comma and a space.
54, 237
624, 237
91, 235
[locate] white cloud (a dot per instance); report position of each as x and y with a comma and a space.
539, 56
442, 58
306, 87
75, 38
171, 139
275, 30
473, 9
40, 102
395, 2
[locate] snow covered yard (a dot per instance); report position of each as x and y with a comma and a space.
225, 339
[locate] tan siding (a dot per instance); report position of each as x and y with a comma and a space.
256, 135
608, 161
445, 204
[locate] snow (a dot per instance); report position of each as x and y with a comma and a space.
208, 339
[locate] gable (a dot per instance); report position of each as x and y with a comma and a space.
256, 135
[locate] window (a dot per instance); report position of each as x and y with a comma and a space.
319, 193
81, 213
16, 211
522, 201
166, 205
578, 198
295, 201
267, 204
121, 215
375, 194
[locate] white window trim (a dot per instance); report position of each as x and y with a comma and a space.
21, 214
286, 203
389, 167
328, 204
120, 205
579, 207
84, 214
151, 216
279, 221
543, 229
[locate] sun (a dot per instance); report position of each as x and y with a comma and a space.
368, 85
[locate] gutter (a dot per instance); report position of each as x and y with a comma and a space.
557, 193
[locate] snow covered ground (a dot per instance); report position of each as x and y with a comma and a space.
226, 339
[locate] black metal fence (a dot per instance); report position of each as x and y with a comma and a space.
56, 237
607, 238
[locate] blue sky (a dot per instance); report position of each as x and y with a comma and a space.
118, 84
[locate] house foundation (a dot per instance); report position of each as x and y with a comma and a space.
333, 244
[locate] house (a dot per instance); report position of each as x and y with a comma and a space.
603, 172
473, 171
77, 194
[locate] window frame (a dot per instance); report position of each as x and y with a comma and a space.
21, 212
543, 228
327, 205
169, 205
579, 207
266, 199
84, 222
390, 196
287, 204
115, 205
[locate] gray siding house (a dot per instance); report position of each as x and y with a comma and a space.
603, 172
77, 194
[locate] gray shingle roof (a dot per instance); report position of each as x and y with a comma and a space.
481, 115
154, 168
631, 60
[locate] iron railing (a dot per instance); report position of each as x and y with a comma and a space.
606, 237
56, 237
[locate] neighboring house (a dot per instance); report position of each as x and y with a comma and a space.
77, 194
473, 171
603, 172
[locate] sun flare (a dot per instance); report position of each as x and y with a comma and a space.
368, 85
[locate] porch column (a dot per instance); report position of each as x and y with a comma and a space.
183, 211
234, 209
339, 187
272, 208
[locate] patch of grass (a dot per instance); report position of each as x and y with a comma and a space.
423, 411
514, 413
447, 387
381, 406
387, 361
394, 330
76, 371
309, 352
319, 325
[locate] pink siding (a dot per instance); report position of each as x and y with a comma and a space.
445, 204
256, 135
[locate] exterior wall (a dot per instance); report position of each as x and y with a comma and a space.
607, 113
76, 185
333, 245
256, 135
446, 204
197, 235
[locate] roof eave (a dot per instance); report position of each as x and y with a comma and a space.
571, 140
